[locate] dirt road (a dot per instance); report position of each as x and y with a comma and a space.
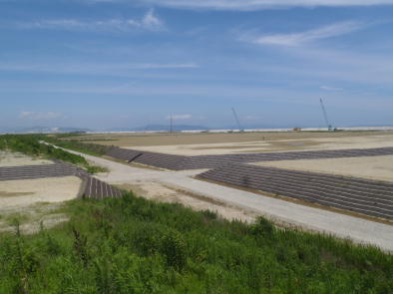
281, 212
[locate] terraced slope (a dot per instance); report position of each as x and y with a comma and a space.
37, 171
171, 162
96, 189
373, 198
174, 162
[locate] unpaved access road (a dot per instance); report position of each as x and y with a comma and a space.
279, 211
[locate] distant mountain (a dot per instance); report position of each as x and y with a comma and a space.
159, 127
175, 127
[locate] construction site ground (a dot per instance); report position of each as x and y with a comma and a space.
228, 202
183, 187
377, 167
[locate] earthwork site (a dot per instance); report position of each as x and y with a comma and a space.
225, 212
338, 183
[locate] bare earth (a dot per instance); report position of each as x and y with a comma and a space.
160, 139
378, 167
273, 145
8, 159
19, 193
173, 186
182, 187
35, 202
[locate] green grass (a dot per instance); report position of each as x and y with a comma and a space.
30, 145
76, 145
131, 245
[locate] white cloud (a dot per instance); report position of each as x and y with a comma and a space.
296, 39
246, 5
40, 116
148, 22
180, 117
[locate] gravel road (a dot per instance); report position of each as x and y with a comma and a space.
282, 212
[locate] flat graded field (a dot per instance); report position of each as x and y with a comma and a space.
377, 167
35, 203
235, 143
22, 193
8, 159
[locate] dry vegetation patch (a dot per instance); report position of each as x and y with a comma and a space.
11, 159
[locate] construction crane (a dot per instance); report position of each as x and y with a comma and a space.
237, 121
325, 115
171, 124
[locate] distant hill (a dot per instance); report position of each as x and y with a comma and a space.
176, 127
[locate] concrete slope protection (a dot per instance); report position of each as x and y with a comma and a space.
174, 162
37, 171
91, 187
282, 212
369, 197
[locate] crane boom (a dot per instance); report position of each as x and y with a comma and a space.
325, 115
237, 120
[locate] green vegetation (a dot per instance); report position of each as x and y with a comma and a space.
31, 145
96, 169
131, 245
76, 145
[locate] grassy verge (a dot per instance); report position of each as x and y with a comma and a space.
131, 245
30, 145
76, 145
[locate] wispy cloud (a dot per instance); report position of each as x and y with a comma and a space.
300, 38
91, 68
166, 66
246, 5
330, 88
40, 116
149, 21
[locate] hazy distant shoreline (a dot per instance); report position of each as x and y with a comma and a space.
207, 130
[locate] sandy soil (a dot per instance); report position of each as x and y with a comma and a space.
378, 167
8, 159
169, 194
35, 203
161, 139
21, 193
275, 145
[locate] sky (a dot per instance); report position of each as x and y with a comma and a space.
105, 64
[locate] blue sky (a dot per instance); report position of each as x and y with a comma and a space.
104, 64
